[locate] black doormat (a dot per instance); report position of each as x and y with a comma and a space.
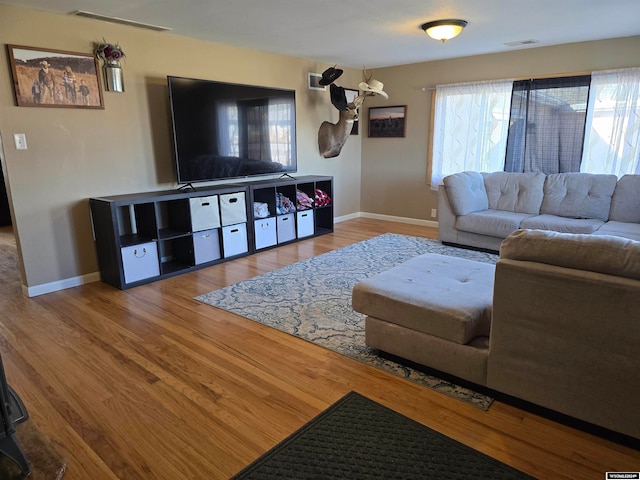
357, 438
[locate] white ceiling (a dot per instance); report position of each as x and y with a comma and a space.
371, 33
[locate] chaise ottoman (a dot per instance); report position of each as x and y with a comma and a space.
434, 310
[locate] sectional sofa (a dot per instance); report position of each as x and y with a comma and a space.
482, 209
555, 322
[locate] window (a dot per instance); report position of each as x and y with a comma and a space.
612, 140
546, 125
588, 123
470, 128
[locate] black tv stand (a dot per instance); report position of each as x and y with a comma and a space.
143, 237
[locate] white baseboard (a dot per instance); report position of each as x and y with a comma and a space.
60, 284
344, 218
388, 218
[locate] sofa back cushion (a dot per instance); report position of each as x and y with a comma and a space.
602, 254
578, 195
625, 204
466, 192
515, 192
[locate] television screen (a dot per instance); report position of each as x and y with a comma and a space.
226, 130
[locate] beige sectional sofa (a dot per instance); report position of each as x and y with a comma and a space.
482, 209
556, 322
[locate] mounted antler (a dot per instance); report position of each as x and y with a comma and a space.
367, 78
366, 75
333, 136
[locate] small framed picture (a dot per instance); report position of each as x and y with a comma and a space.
314, 82
351, 94
43, 77
387, 121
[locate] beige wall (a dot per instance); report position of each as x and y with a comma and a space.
75, 154
394, 171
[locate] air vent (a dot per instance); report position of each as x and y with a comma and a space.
121, 21
521, 42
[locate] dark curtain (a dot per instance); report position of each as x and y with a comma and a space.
546, 125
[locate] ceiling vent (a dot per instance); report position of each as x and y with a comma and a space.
121, 21
521, 42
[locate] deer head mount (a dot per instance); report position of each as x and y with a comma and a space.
333, 136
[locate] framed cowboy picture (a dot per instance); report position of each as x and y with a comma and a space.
43, 77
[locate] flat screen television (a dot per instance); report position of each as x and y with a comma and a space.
227, 130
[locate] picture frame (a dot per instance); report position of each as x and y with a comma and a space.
313, 82
44, 77
387, 122
351, 94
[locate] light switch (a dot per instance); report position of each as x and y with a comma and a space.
20, 139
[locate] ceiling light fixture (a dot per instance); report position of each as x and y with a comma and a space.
444, 30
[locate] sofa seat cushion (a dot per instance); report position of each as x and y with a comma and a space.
496, 223
515, 192
578, 195
466, 192
444, 296
620, 229
562, 224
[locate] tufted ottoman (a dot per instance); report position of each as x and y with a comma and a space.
434, 310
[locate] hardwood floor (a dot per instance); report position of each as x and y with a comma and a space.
150, 384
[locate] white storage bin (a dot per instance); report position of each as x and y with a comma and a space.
265, 232
234, 240
286, 228
140, 262
204, 213
206, 246
304, 221
233, 208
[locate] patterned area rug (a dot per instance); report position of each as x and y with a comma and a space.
359, 439
312, 300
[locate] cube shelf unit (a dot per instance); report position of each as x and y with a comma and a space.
144, 237
275, 227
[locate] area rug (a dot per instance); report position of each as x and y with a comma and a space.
359, 439
45, 461
311, 299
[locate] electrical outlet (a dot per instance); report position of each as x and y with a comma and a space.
20, 139
434, 212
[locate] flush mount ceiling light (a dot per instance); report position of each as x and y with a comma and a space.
444, 29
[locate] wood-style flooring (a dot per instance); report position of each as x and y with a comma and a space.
149, 383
